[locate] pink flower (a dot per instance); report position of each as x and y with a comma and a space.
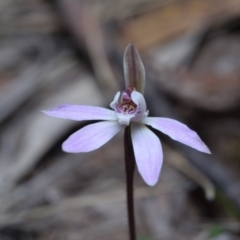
129, 108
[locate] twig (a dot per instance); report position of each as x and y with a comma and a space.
81, 202
178, 161
86, 28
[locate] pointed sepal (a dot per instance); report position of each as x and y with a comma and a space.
134, 71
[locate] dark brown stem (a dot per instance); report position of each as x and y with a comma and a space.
130, 166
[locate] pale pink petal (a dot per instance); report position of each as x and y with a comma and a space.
139, 100
91, 137
80, 112
115, 100
148, 153
177, 131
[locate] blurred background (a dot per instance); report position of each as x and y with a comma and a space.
70, 51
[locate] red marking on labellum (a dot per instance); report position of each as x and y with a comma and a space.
126, 105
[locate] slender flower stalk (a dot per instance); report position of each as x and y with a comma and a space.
129, 111
130, 166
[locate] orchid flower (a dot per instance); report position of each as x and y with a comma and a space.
128, 108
